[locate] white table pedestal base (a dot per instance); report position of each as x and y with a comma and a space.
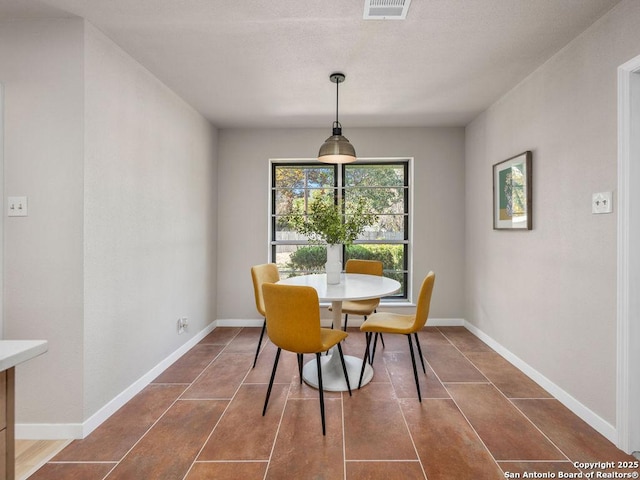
332, 374
352, 286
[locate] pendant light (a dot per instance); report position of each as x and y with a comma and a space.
336, 148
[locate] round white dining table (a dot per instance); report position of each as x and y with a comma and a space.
352, 286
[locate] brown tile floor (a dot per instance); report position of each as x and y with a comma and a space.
480, 418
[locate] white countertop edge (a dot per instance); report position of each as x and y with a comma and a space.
13, 352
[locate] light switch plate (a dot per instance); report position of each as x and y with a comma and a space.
17, 206
602, 202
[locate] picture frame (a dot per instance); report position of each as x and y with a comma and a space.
512, 209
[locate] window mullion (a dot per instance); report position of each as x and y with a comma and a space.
385, 238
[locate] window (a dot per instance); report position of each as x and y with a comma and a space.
384, 183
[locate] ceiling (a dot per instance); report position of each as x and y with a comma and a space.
258, 63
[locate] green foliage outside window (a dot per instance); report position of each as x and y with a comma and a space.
309, 259
391, 256
363, 206
312, 258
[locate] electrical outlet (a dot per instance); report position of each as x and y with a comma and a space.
183, 324
602, 202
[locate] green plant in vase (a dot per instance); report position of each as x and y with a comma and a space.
334, 224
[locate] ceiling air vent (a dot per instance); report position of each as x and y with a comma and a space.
386, 9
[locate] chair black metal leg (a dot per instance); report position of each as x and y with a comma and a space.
381, 337
346, 319
300, 366
264, 327
321, 392
344, 368
364, 360
375, 344
273, 375
366, 339
415, 370
420, 353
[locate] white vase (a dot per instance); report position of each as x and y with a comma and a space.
333, 265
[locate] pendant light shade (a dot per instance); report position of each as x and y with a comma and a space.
336, 148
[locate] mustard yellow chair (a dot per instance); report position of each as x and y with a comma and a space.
293, 324
384, 322
361, 307
261, 274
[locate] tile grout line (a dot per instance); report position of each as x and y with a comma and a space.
506, 398
397, 399
534, 425
82, 462
474, 429
142, 436
275, 437
231, 461
203, 369
460, 409
344, 438
469, 360
415, 449
400, 402
165, 412
385, 460
195, 458
509, 400
458, 406
535, 461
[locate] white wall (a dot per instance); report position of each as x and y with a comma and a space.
120, 237
149, 220
549, 295
243, 193
41, 69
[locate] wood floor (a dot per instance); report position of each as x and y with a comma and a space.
31, 454
480, 418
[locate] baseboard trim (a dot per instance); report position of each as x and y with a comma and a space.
326, 322
239, 322
592, 418
80, 430
57, 431
446, 322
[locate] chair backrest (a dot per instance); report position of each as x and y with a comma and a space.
424, 301
260, 274
293, 317
369, 267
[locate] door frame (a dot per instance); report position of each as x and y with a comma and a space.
2, 214
628, 261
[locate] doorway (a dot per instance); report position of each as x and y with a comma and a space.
628, 381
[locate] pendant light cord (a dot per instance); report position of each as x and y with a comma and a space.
337, 90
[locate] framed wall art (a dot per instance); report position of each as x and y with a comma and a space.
512, 193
